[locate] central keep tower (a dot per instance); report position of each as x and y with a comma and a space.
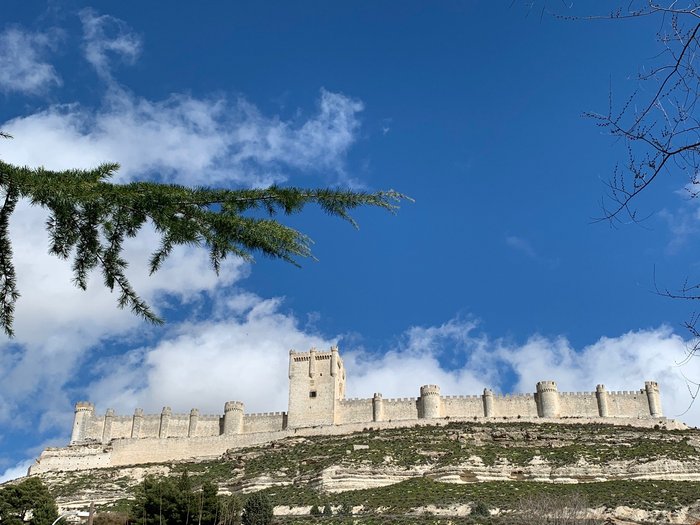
316, 385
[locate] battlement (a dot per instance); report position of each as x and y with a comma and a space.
546, 386
233, 405
265, 414
317, 401
429, 390
511, 396
651, 385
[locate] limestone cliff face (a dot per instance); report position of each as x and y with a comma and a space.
336, 479
456, 453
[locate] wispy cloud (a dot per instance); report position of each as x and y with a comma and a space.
525, 247
683, 226
16, 471
23, 67
252, 345
521, 245
106, 37
180, 139
188, 140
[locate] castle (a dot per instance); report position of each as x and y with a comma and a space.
317, 405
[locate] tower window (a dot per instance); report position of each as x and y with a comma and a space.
312, 393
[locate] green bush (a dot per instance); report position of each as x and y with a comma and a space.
480, 509
257, 510
28, 498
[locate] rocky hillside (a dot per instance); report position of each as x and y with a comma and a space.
650, 475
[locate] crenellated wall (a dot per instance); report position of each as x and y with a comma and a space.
317, 402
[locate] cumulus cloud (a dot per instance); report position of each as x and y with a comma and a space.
242, 355
58, 326
16, 471
61, 331
203, 364
187, 140
23, 67
106, 37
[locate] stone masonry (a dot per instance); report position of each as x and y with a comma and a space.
317, 405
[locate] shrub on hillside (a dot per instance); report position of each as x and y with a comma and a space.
548, 509
28, 501
111, 518
257, 510
480, 509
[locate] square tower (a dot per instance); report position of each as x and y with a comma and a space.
316, 384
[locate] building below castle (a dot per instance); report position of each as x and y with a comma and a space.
317, 405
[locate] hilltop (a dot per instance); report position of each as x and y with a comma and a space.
640, 474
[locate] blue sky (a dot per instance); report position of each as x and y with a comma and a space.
494, 276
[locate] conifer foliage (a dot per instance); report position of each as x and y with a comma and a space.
257, 510
90, 217
27, 502
166, 501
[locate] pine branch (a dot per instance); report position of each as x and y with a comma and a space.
89, 218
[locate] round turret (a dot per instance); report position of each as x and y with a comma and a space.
652, 390
84, 411
233, 417
233, 405
165, 416
137, 423
548, 399
84, 406
194, 420
334, 360
107, 425
487, 399
291, 360
601, 396
377, 407
430, 401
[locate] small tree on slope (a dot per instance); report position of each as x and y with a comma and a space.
257, 510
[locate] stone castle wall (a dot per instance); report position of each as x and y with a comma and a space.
129, 452
316, 404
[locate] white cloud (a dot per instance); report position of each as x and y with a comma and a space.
243, 355
58, 326
621, 363
522, 245
22, 65
17, 471
107, 36
186, 140
181, 139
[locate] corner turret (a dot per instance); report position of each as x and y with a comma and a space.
84, 411
487, 400
654, 398
601, 396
